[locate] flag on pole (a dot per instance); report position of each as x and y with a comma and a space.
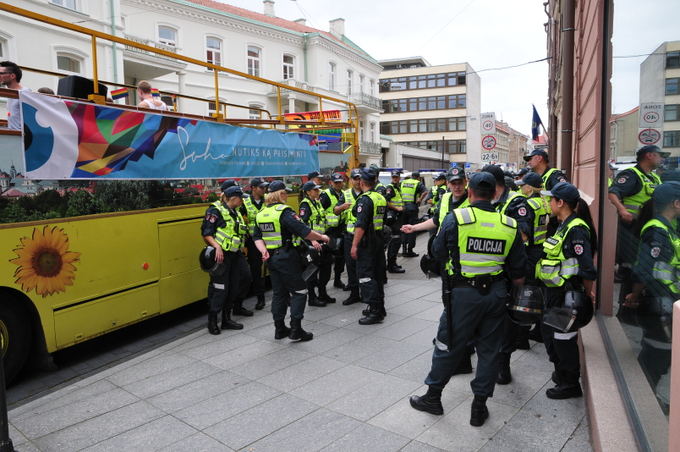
535, 123
155, 92
119, 93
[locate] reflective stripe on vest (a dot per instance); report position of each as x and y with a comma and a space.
484, 241
332, 220
269, 222
555, 269
252, 210
541, 218
397, 200
634, 203
408, 189
445, 206
350, 219
317, 218
379, 208
666, 273
545, 178
511, 195
230, 237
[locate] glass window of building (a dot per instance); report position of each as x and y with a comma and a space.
254, 111
671, 139
672, 86
288, 67
254, 57
671, 112
68, 63
167, 35
371, 87
372, 136
350, 76
3, 47
331, 76
673, 60
213, 50
70, 4
361, 83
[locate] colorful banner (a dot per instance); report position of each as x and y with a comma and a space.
325, 135
66, 139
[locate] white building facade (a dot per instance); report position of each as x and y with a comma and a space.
260, 44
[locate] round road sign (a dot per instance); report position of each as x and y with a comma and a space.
651, 117
649, 136
488, 142
487, 125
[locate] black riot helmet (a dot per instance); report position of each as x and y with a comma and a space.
527, 306
575, 313
428, 264
656, 318
207, 261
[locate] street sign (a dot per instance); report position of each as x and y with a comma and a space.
649, 136
488, 121
651, 115
488, 157
488, 142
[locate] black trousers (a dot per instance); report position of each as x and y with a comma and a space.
476, 317
256, 268
339, 254
323, 275
371, 268
288, 287
562, 351
231, 285
410, 215
351, 264
395, 241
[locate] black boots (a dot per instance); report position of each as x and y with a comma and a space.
339, 284
410, 253
430, 402
375, 315
567, 386
313, 300
212, 324
323, 296
353, 298
504, 376
297, 333
281, 330
478, 412
392, 267
227, 323
240, 310
260, 303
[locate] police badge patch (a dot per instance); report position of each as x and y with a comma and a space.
655, 252
578, 249
621, 180
358, 209
522, 211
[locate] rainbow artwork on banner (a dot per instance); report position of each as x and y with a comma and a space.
66, 139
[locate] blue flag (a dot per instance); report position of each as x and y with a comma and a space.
535, 122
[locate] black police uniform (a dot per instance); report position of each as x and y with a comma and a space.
350, 264
335, 234
370, 261
477, 315
441, 189
562, 347
394, 220
285, 268
255, 258
410, 215
231, 287
325, 263
555, 178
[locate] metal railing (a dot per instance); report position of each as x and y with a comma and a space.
367, 100
371, 148
150, 43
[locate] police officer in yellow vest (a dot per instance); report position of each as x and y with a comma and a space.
334, 222
345, 207
368, 247
394, 220
568, 271
412, 192
225, 230
434, 195
657, 282
250, 208
539, 163
314, 216
275, 235
485, 250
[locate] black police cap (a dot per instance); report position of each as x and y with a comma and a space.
313, 174
666, 193
496, 172
455, 173
650, 148
233, 191
257, 182
356, 173
311, 185
395, 173
337, 177
277, 185
228, 183
440, 176
532, 179
367, 174
564, 191
482, 180
540, 152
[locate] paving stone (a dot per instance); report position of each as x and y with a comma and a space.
334, 385
411, 308
349, 352
199, 442
417, 446
367, 437
222, 344
154, 366
579, 440
197, 391
158, 384
405, 328
432, 314
241, 355
392, 356
210, 412
271, 363
424, 336
251, 425
92, 431
26, 447
151, 436
310, 433
300, 373
329, 340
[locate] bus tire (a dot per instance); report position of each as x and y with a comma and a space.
15, 338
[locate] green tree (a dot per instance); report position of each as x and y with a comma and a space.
82, 203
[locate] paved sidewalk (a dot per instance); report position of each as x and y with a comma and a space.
347, 390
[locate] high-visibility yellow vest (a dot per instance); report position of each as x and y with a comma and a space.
634, 203
555, 269
252, 210
445, 204
230, 236
408, 189
350, 219
379, 208
541, 218
666, 273
317, 218
511, 195
545, 178
397, 200
332, 220
269, 222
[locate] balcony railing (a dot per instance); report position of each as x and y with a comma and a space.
367, 100
150, 43
370, 148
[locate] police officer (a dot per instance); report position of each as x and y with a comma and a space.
225, 230
538, 162
329, 201
435, 193
276, 231
314, 216
250, 208
484, 249
394, 220
346, 205
368, 247
412, 192
631, 189
567, 267
657, 275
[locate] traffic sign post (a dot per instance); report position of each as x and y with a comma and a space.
488, 142
649, 136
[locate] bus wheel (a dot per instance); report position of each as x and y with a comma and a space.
15, 338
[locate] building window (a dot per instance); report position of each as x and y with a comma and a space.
288, 67
3, 49
673, 60
350, 76
213, 50
424, 125
425, 103
361, 83
254, 112
671, 112
671, 139
362, 133
254, 56
371, 128
70, 4
672, 86
422, 81
331, 76
68, 63
167, 35
447, 146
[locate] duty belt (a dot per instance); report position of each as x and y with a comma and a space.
482, 282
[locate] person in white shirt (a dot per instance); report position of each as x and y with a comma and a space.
147, 99
10, 76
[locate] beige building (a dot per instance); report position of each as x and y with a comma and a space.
660, 82
623, 131
435, 108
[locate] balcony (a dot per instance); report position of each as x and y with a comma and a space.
144, 64
368, 148
366, 102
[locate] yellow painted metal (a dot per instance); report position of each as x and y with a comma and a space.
280, 104
218, 114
